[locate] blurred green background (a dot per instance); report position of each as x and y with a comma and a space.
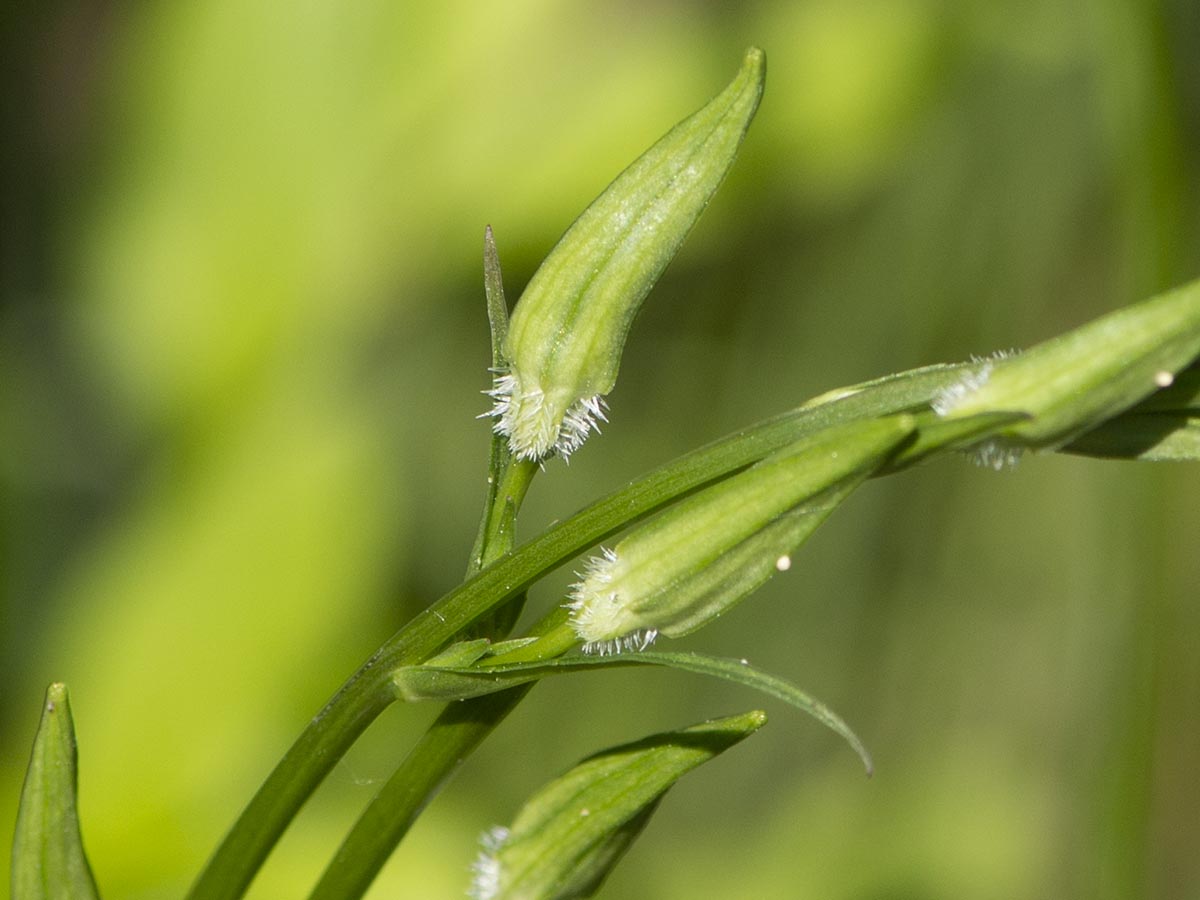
242, 340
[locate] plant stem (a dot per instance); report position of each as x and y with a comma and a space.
557, 638
457, 732
460, 727
297, 775
497, 534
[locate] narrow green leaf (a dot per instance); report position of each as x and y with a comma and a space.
1146, 437
497, 515
48, 858
921, 385
497, 304
462, 653
570, 834
1182, 395
1165, 427
508, 478
446, 683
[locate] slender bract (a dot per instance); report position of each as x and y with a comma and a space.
688, 565
567, 331
48, 858
571, 833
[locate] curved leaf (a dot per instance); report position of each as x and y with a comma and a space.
447, 683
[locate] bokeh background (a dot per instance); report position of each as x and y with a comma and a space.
241, 348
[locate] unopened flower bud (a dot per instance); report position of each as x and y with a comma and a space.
571, 834
564, 342
704, 554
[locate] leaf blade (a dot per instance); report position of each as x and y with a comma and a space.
446, 683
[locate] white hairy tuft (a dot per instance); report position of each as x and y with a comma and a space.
599, 614
951, 397
993, 454
486, 869
996, 455
633, 642
536, 427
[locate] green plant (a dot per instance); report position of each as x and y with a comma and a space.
718, 522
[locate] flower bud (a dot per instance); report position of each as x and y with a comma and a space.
564, 342
707, 552
48, 858
1073, 382
572, 832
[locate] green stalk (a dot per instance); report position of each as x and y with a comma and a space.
366, 693
456, 733
328, 736
459, 729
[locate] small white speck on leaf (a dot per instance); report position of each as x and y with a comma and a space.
783, 563
1164, 379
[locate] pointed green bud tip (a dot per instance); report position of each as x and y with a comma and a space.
1071, 384
48, 856
563, 345
570, 835
700, 557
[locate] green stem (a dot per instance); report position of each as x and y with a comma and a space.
461, 726
457, 732
459, 729
245, 847
297, 775
557, 638
497, 534
514, 484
